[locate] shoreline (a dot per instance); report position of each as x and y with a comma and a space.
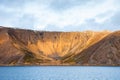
95, 65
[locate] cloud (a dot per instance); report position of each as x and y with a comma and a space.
24, 21
60, 5
63, 15
113, 22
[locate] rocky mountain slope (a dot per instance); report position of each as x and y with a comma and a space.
28, 47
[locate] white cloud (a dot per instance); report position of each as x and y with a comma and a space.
74, 16
44, 15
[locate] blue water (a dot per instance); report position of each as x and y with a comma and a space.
60, 73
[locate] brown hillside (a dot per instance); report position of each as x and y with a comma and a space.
27, 47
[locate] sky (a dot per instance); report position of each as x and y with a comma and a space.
61, 15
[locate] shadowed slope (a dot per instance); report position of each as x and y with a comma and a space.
104, 52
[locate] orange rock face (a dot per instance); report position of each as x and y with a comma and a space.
27, 47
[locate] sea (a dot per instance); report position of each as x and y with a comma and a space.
60, 73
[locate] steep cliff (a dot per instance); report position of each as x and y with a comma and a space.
27, 47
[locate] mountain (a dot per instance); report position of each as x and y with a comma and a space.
28, 47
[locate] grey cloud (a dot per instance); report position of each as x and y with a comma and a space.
52, 28
114, 22
57, 5
111, 24
91, 24
25, 21
64, 4
116, 19
67, 4
12, 3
